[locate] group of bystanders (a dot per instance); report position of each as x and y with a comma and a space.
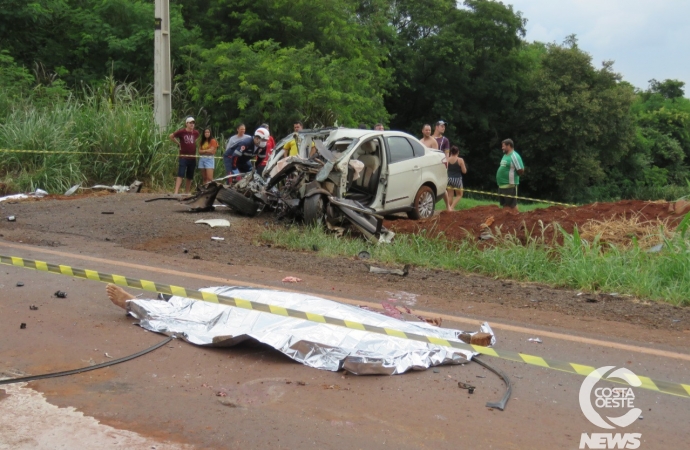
241, 149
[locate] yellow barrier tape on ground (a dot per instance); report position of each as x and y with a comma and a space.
677, 389
494, 194
167, 155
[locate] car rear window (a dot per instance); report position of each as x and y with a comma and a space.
400, 149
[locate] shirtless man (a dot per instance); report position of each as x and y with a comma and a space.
427, 140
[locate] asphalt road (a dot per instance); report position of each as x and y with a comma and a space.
169, 398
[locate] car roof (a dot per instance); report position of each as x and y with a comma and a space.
352, 133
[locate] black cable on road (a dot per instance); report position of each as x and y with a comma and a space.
86, 369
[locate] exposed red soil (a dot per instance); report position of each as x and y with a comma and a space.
459, 225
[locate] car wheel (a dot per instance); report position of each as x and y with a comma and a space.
424, 203
238, 202
314, 209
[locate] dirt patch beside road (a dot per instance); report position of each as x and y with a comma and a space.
458, 225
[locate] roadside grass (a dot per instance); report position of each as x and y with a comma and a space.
114, 133
470, 202
574, 264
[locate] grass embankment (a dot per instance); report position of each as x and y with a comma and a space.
113, 138
468, 202
575, 264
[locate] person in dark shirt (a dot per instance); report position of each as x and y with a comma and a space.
441, 140
237, 158
186, 138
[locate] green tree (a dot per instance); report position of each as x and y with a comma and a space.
662, 115
576, 123
462, 65
264, 82
86, 40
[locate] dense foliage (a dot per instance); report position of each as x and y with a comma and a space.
584, 133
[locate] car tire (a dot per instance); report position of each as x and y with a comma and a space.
238, 202
314, 210
424, 204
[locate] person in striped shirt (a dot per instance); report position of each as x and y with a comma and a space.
508, 175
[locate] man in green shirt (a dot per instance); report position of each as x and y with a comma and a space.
508, 175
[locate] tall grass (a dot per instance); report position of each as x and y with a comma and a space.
575, 263
94, 123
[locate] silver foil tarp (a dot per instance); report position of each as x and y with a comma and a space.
318, 345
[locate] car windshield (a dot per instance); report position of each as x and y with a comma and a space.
347, 150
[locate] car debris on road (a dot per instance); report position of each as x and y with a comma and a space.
213, 223
381, 271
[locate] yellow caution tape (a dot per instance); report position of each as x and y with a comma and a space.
512, 196
169, 155
677, 389
220, 157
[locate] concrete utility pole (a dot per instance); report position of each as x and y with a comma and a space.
162, 103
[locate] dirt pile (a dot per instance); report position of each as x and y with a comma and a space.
616, 222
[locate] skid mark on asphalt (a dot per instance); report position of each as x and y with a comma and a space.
448, 317
30, 422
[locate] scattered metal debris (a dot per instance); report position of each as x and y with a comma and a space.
33, 307
60, 294
38, 193
20, 284
72, 190
215, 222
107, 212
107, 355
535, 340
382, 271
656, 249
132, 188
202, 201
216, 238
501, 404
469, 387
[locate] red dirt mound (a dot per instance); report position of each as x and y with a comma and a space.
468, 223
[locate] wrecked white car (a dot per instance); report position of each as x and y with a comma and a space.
344, 174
